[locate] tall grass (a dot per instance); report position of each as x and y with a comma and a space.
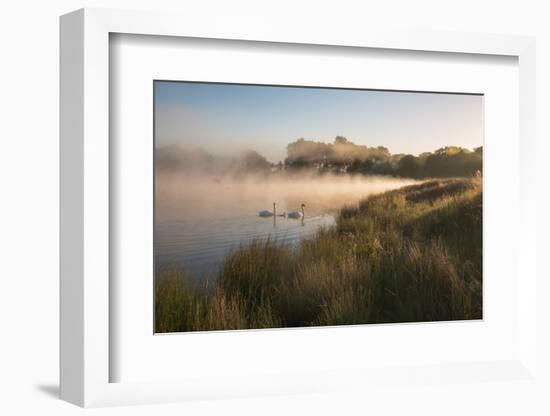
413, 254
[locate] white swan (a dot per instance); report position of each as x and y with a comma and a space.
297, 214
265, 213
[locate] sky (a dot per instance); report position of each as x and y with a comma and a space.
226, 119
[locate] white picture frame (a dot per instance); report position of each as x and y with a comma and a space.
85, 353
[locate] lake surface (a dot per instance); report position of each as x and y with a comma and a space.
199, 220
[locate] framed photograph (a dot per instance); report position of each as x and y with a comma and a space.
349, 233
269, 212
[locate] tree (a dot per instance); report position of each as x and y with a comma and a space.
452, 161
250, 161
408, 167
340, 140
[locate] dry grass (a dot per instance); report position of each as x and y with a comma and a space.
409, 255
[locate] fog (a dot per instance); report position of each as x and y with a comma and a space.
200, 217
204, 196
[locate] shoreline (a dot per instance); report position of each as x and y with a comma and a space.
343, 275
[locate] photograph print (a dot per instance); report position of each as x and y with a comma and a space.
289, 206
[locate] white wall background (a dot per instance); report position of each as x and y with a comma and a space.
29, 202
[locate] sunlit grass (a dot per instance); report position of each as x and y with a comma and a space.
409, 255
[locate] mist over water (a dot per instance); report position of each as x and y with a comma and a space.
199, 218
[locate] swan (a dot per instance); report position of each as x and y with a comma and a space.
297, 214
265, 213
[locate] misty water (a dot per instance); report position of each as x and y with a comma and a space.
200, 219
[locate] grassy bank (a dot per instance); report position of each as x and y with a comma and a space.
414, 254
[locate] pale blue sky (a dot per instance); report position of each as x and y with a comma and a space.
227, 118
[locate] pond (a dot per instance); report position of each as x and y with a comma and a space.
200, 219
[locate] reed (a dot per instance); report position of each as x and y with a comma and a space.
408, 255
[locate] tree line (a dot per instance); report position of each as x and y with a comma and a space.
343, 156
